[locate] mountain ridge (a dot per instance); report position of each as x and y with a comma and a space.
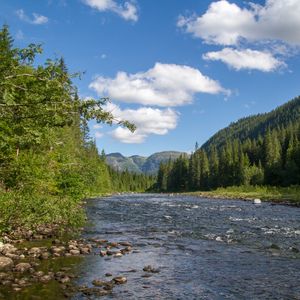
140, 164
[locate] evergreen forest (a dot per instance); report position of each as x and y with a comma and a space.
257, 150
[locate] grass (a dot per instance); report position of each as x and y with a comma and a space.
290, 195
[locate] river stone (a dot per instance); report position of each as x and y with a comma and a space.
8, 248
103, 252
98, 282
12, 256
35, 252
120, 279
125, 244
45, 278
74, 252
85, 250
6, 263
64, 279
150, 269
22, 267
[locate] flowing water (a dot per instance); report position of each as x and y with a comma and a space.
204, 248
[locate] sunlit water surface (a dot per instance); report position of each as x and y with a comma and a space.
204, 248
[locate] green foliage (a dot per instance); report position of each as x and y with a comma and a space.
125, 181
48, 162
246, 153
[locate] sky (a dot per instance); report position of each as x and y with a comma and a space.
180, 70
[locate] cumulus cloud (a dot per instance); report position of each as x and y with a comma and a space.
163, 85
246, 59
226, 23
128, 11
148, 121
35, 20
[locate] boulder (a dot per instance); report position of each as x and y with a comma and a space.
6, 263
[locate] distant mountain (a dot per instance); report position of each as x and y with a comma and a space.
140, 164
254, 126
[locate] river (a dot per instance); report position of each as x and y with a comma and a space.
204, 248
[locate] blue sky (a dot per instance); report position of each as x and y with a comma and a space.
181, 70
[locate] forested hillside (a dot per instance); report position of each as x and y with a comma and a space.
254, 126
48, 162
258, 150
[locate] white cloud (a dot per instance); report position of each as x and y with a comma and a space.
128, 11
148, 121
35, 20
226, 23
163, 85
97, 126
98, 134
246, 59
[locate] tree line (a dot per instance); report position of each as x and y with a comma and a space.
48, 161
271, 157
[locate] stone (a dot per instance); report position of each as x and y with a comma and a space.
35, 252
118, 255
125, 244
103, 252
6, 263
45, 278
120, 279
257, 201
8, 248
64, 279
58, 250
39, 274
22, 267
108, 274
151, 269
45, 255
74, 252
98, 282
12, 256
85, 250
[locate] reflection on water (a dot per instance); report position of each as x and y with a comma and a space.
205, 249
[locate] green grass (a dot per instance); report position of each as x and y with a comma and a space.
267, 193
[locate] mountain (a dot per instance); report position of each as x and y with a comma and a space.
254, 126
152, 163
140, 164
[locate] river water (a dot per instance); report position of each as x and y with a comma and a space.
204, 248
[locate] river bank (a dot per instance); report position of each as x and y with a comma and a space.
44, 263
278, 195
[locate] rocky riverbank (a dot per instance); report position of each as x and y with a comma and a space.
47, 258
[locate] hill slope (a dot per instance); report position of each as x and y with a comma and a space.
140, 164
258, 150
253, 126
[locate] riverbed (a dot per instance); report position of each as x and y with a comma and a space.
201, 248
